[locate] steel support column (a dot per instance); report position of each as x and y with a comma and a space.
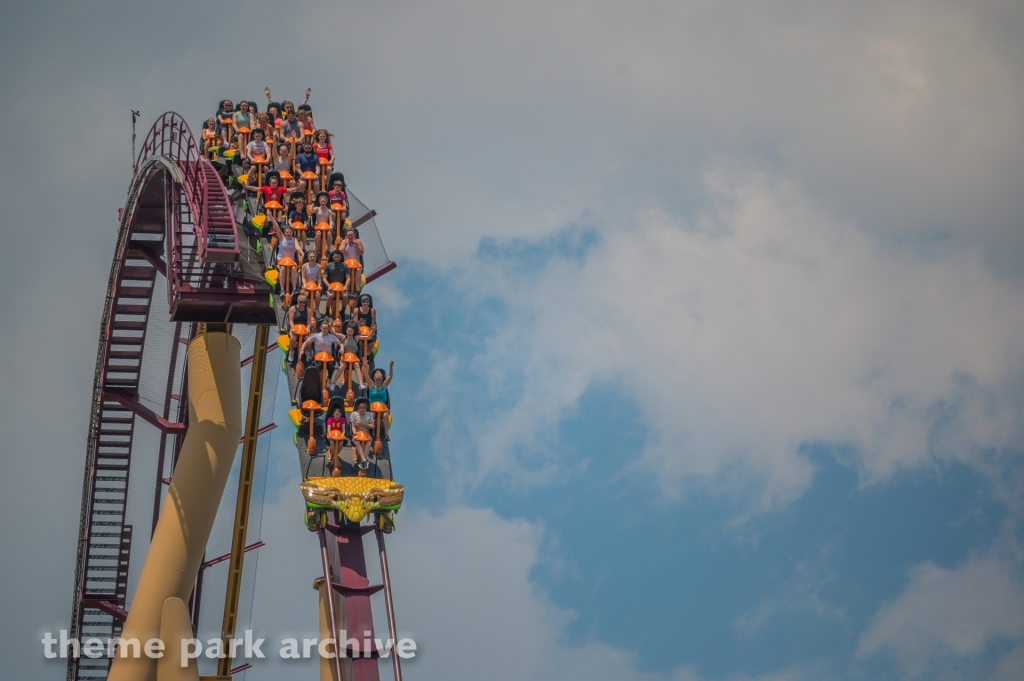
245, 476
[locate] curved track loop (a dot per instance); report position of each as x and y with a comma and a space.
177, 233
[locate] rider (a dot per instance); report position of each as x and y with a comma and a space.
366, 315
361, 420
306, 160
288, 247
283, 164
322, 341
335, 272
311, 273
379, 392
297, 215
225, 113
322, 146
352, 246
258, 147
272, 190
209, 136
323, 212
297, 314
243, 118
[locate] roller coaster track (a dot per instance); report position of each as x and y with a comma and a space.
181, 235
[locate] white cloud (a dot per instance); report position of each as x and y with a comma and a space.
800, 593
1011, 667
945, 612
515, 118
463, 592
761, 325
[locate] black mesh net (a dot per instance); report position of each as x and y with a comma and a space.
375, 258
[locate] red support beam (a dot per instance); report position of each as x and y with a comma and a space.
109, 607
381, 272
365, 218
248, 360
130, 402
264, 429
151, 256
221, 559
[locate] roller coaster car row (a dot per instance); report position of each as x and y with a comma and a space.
292, 197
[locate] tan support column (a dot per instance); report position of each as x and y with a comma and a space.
326, 664
175, 626
215, 426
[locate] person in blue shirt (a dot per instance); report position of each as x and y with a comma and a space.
306, 160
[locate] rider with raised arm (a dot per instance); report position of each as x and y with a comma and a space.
287, 103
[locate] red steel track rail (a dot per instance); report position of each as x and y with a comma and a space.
178, 225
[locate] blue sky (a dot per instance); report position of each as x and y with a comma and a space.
708, 323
